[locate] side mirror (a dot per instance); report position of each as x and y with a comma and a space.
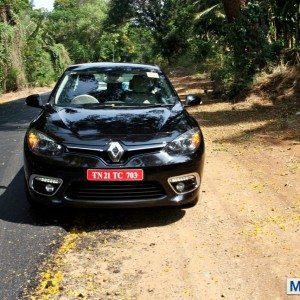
34, 101
192, 100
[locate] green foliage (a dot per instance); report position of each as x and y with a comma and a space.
119, 12
27, 54
39, 67
36, 45
12, 79
233, 72
6, 35
250, 47
168, 23
248, 39
16, 5
60, 58
284, 17
78, 25
200, 49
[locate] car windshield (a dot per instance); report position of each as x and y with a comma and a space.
102, 88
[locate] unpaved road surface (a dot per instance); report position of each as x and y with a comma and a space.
241, 241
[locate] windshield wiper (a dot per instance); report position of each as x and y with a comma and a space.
157, 105
103, 105
98, 105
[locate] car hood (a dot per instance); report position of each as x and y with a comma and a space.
77, 125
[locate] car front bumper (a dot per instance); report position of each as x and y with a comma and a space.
71, 170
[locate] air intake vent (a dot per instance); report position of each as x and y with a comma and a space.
115, 191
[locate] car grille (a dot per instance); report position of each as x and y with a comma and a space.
125, 158
115, 191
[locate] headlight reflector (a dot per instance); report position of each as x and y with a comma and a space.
186, 143
39, 143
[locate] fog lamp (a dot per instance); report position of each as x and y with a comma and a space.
44, 185
185, 183
180, 187
49, 188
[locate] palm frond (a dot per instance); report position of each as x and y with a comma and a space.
205, 12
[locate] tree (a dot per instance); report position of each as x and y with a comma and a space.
119, 12
232, 9
168, 21
81, 20
286, 17
28, 55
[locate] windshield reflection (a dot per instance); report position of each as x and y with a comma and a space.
114, 88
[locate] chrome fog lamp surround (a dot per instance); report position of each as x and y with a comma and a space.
186, 183
44, 185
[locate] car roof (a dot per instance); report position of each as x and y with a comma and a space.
111, 65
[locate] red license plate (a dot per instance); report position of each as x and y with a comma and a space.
115, 175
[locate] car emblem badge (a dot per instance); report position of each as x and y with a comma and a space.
115, 151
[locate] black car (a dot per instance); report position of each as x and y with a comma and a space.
113, 135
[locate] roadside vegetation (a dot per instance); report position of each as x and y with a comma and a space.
231, 40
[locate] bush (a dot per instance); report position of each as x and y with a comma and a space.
200, 49
60, 58
6, 36
39, 68
273, 51
27, 54
250, 50
12, 79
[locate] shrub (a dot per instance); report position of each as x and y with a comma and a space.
60, 58
6, 36
39, 68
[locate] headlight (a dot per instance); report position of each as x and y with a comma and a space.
185, 143
41, 144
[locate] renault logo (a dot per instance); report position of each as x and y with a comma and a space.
115, 151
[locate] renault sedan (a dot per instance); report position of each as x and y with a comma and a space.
113, 135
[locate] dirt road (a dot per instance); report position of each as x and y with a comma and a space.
240, 242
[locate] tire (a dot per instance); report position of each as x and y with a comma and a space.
191, 204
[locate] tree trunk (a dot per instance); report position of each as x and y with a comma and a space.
297, 36
232, 9
6, 14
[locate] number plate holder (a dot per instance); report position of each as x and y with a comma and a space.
115, 175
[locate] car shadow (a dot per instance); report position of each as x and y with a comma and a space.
14, 208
